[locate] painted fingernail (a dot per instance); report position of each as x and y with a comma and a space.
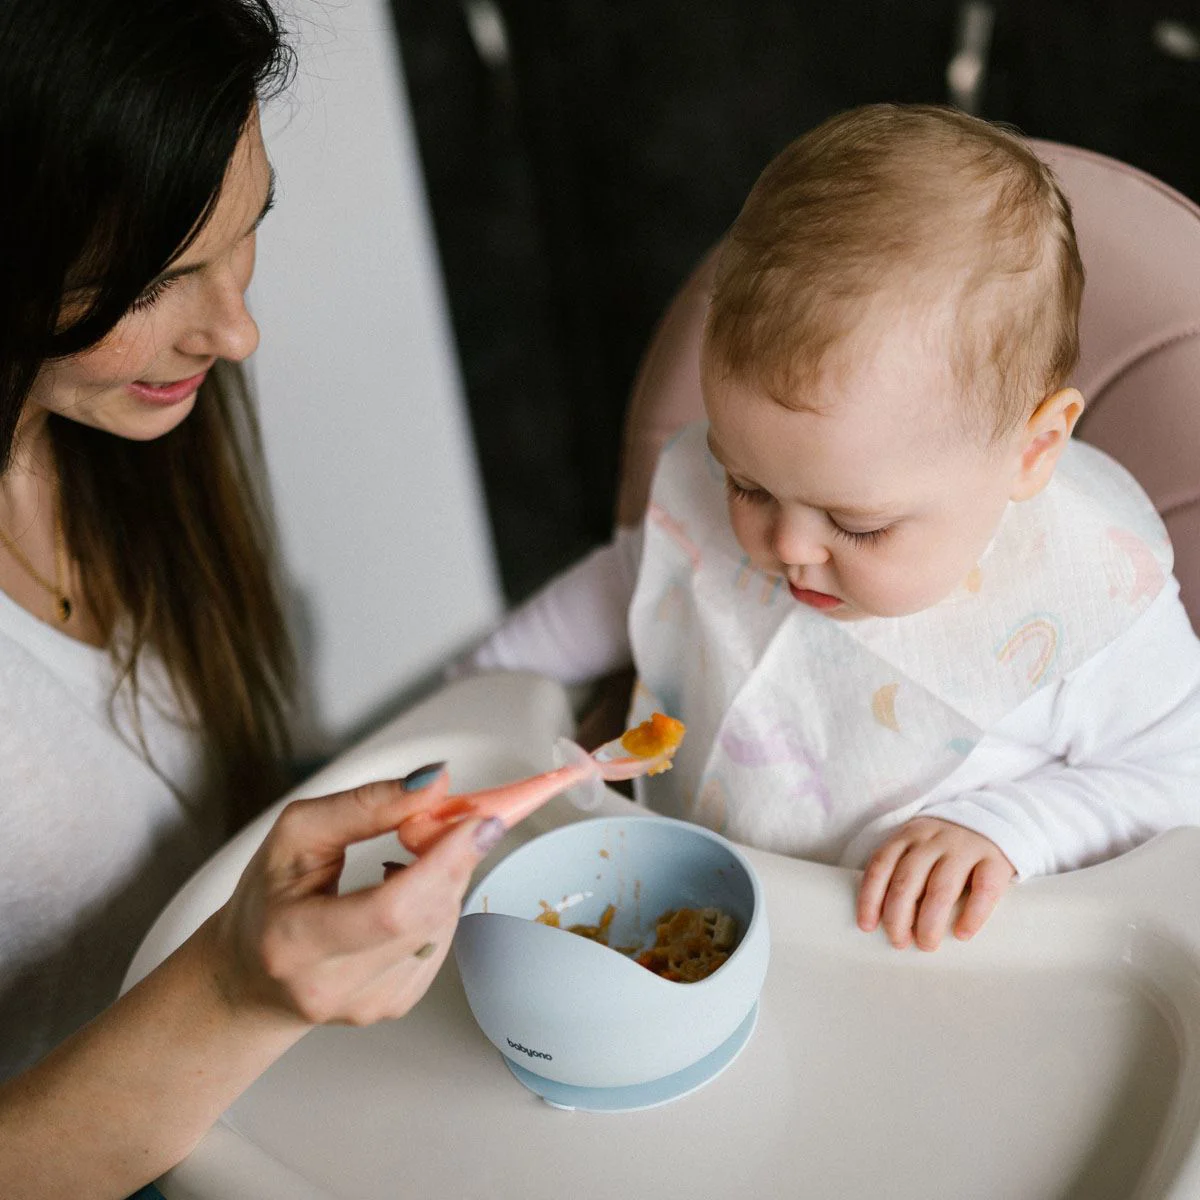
390, 868
414, 781
488, 834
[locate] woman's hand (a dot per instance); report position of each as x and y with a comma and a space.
916, 877
286, 941
141, 1082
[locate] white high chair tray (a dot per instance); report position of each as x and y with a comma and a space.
1053, 1057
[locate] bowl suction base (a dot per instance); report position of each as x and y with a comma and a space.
639, 1095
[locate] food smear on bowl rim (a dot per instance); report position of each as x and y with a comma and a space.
689, 943
595, 933
660, 735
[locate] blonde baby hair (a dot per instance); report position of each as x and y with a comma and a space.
890, 209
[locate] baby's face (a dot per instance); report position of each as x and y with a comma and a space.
877, 504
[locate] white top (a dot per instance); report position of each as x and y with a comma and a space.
1086, 767
95, 840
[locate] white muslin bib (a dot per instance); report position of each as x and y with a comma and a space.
803, 729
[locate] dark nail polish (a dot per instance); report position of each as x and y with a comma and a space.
390, 868
414, 781
488, 834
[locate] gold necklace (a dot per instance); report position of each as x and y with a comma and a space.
62, 601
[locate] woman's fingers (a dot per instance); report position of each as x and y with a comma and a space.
459, 852
310, 834
400, 910
376, 980
291, 943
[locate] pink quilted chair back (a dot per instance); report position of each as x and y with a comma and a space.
1139, 367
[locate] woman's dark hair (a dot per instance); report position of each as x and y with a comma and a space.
118, 119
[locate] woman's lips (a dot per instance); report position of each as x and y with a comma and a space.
813, 599
167, 393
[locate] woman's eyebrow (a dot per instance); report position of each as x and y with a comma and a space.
191, 269
268, 202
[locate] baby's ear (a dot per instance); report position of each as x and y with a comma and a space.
1043, 440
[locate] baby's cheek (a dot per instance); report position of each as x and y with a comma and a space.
903, 584
941, 577
750, 531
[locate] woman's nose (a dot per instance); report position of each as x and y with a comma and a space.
797, 540
223, 328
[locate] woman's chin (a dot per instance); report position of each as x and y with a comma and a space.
140, 422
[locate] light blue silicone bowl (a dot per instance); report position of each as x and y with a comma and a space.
581, 1014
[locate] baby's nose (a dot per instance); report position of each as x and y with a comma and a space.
798, 540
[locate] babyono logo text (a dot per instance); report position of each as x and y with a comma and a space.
526, 1050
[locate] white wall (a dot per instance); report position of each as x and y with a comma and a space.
374, 478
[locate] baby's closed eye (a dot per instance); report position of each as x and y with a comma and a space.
750, 495
863, 537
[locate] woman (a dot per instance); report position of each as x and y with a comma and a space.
144, 669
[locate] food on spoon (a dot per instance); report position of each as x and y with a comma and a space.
660, 735
690, 943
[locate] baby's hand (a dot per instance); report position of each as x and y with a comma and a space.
916, 877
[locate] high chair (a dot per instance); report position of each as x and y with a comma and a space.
1139, 366
1054, 1057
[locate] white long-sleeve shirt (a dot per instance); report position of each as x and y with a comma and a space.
1082, 770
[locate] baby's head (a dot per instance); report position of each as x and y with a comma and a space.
892, 326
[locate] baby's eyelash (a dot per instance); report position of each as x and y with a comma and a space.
868, 537
750, 495
152, 294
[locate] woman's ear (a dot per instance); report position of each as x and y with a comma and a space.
1043, 440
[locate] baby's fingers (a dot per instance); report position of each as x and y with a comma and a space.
904, 893
875, 880
942, 891
989, 881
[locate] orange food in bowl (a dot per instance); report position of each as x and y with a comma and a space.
659, 735
690, 943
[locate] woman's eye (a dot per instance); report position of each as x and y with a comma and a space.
152, 294
750, 495
866, 537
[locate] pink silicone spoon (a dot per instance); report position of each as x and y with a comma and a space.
513, 802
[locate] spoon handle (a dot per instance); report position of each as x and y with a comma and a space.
511, 803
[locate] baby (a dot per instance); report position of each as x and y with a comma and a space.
911, 626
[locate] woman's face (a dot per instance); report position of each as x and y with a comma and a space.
141, 380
